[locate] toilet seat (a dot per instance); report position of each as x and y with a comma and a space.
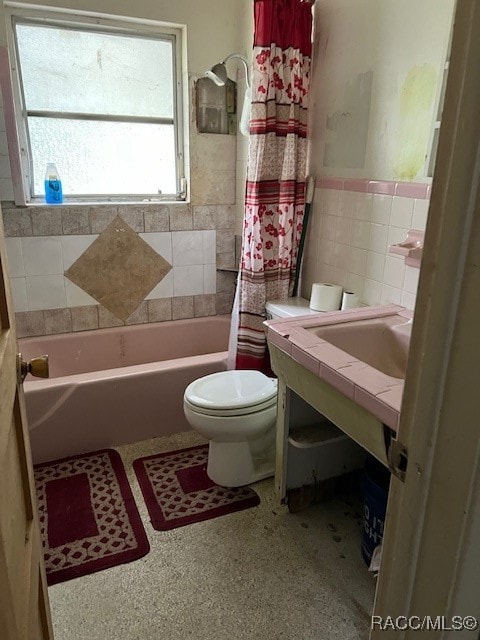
231, 393
225, 413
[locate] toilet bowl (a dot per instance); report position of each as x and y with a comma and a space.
236, 412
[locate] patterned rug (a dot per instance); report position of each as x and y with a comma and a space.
178, 491
88, 518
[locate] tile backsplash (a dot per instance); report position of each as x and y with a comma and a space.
351, 225
44, 242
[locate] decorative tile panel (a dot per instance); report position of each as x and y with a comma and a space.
119, 269
81, 225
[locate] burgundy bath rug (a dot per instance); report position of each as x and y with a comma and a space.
178, 491
88, 517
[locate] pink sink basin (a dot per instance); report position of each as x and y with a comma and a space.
361, 352
381, 343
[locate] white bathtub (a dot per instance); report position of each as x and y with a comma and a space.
115, 386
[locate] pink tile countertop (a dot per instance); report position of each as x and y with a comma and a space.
375, 391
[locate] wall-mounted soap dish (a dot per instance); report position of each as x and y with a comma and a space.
411, 248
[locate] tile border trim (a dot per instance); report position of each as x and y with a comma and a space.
417, 190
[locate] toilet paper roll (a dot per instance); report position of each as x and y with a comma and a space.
325, 296
349, 300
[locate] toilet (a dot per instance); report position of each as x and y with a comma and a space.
236, 412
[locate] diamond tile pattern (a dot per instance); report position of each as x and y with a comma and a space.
119, 269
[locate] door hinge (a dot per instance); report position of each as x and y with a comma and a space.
398, 459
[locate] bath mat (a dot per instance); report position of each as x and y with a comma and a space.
88, 518
178, 491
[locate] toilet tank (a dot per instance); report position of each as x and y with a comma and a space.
287, 308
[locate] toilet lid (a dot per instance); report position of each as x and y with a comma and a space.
231, 390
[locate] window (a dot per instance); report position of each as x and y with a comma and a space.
101, 103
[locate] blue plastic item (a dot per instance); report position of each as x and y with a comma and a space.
53, 185
375, 484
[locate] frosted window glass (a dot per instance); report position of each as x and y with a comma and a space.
86, 72
104, 158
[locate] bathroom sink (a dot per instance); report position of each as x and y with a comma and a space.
382, 343
350, 365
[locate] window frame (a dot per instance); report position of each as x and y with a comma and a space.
118, 26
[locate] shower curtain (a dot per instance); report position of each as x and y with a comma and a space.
275, 190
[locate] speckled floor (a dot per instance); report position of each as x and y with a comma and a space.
260, 574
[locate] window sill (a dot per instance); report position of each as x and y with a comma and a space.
71, 202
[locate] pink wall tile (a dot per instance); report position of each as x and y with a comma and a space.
382, 187
355, 185
331, 257
411, 190
331, 183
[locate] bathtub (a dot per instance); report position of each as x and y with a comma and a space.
109, 387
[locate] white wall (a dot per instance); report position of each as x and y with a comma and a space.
378, 66
212, 29
377, 72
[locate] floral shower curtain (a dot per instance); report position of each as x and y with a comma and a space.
275, 191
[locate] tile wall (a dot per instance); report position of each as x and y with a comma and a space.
43, 242
351, 225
